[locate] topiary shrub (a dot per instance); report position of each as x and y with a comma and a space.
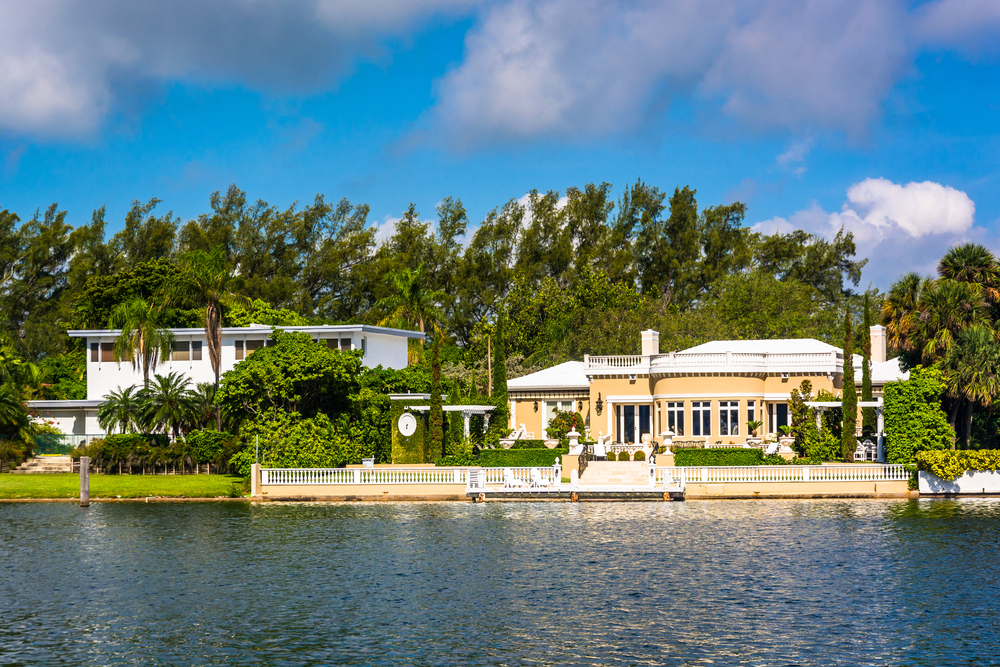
639, 456
718, 457
623, 456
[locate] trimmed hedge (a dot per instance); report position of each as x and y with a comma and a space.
528, 444
950, 465
718, 456
520, 458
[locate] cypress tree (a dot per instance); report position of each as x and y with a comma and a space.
499, 426
849, 438
868, 419
436, 445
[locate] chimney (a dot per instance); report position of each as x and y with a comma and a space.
650, 342
878, 343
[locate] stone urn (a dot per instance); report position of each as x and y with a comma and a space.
575, 448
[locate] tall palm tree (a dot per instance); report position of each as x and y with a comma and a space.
947, 308
203, 404
901, 309
976, 264
972, 372
169, 403
413, 303
14, 420
143, 340
210, 283
121, 409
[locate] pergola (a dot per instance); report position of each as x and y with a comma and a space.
877, 404
466, 410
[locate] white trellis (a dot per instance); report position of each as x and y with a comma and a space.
822, 406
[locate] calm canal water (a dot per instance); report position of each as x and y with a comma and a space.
699, 583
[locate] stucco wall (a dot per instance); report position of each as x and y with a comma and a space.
972, 481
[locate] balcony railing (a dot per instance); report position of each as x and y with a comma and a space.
716, 362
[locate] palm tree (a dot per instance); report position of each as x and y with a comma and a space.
946, 309
210, 283
901, 309
412, 304
15, 424
972, 372
121, 409
203, 403
973, 263
169, 403
143, 340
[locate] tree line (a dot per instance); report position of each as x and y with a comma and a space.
569, 273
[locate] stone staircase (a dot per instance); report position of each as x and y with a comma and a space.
45, 464
616, 473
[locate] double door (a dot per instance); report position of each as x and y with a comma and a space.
633, 422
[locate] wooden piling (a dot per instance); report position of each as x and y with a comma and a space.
84, 481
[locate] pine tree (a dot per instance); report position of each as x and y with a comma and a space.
849, 438
436, 445
869, 423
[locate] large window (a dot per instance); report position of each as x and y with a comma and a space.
552, 406
181, 351
729, 417
701, 418
779, 416
675, 417
751, 411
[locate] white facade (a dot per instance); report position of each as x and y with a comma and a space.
381, 347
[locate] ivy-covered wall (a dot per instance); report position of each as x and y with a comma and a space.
412, 449
914, 420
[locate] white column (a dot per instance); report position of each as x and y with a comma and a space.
466, 417
611, 420
513, 414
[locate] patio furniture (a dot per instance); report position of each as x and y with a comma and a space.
536, 479
510, 480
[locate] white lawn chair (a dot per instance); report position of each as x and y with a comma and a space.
772, 448
600, 452
510, 480
537, 480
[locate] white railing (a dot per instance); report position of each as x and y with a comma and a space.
617, 361
495, 475
786, 473
363, 476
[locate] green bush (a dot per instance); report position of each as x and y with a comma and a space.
914, 420
718, 457
207, 446
622, 456
457, 460
519, 458
949, 465
528, 444
639, 456
562, 423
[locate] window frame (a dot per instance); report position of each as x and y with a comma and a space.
704, 409
731, 411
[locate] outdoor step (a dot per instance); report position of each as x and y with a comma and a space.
45, 465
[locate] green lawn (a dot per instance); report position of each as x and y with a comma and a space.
67, 485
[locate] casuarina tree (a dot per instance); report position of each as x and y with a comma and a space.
849, 438
436, 446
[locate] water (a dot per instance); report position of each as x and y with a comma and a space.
826, 582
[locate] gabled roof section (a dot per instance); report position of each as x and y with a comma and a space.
568, 375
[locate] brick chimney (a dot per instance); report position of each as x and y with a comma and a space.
878, 343
650, 342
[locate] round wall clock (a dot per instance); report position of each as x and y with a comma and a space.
407, 424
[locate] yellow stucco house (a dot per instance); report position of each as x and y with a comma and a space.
708, 392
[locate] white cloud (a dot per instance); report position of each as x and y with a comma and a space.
898, 228
65, 64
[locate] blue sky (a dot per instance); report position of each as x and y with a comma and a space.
878, 116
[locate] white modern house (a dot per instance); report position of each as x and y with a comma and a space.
380, 346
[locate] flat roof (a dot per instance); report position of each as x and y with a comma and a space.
266, 328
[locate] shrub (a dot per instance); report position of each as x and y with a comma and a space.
623, 456
914, 420
718, 457
562, 423
639, 456
457, 460
528, 444
949, 465
519, 458
207, 446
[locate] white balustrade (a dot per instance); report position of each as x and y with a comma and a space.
770, 362
786, 473
617, 361
306, 476
495, 475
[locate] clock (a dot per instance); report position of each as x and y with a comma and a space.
407, 424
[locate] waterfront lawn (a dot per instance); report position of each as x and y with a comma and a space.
67, 485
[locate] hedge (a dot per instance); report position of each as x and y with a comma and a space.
718, 456
949, 465
528, 444
519, 458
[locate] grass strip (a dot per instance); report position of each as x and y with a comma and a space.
67, 485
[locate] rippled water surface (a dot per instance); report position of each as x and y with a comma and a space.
697, 583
